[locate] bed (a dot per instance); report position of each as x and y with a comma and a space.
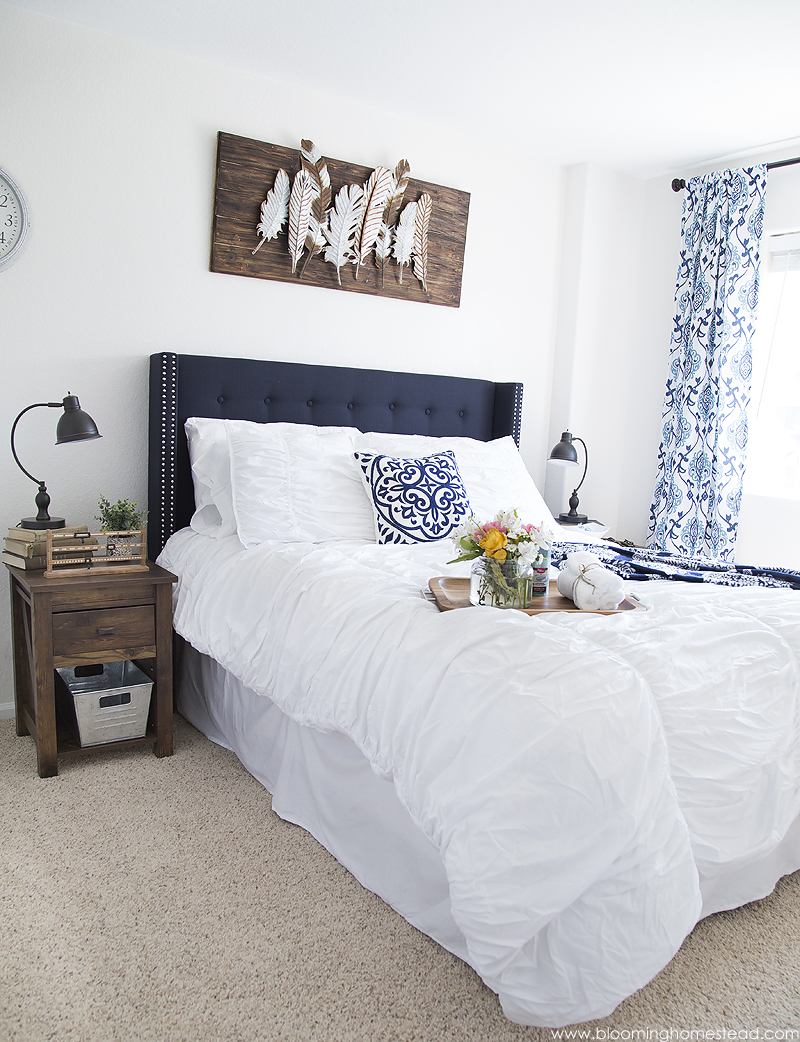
556, 799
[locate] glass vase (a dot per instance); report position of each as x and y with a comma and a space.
500, 584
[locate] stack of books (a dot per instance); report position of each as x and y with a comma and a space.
27, 547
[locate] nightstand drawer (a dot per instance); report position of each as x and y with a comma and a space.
108, 633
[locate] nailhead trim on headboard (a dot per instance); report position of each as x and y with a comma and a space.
169, 410
517, 421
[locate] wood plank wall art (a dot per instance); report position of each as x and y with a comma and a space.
328, 223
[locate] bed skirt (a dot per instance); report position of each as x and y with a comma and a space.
323, 783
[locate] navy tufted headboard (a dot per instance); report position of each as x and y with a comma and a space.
264, 391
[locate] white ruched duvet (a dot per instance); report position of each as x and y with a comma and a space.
594, 784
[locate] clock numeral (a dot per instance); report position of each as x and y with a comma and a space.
2, 237
9, 221
3, 200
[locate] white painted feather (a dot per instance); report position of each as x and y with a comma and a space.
383, 248
376, 192
299, 212
404, 236
315, 236
314, 165
422, 222
317, 169
340, 231
274, 209
399, 184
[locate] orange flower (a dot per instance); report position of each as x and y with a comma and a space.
494, 544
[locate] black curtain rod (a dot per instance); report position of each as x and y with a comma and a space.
679, 183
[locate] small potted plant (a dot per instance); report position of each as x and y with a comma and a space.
122, 516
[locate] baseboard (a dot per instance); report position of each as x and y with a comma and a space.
6, 710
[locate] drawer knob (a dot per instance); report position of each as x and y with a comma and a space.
106, 631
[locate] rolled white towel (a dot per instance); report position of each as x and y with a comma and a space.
591, 586
569, 573
597, 589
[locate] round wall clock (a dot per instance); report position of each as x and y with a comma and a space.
15, 221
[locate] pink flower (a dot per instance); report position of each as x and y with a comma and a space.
492, 524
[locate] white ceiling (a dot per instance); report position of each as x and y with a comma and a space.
644, 86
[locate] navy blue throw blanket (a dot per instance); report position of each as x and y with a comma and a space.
639, 563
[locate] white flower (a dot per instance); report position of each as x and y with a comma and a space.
529, 552
524, 541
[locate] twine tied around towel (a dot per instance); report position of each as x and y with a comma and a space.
582, 576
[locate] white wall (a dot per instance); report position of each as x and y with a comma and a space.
113, 144
653, 288
608, 376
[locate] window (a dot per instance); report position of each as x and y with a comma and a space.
773, 453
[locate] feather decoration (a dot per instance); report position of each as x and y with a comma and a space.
383, 248
317, 169
314, 165
404, 236
274, 209
376, 190
315, 236
299, 212
340, 231
422, 222
399, 185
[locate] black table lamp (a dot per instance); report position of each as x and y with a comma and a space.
565, 452
74, 425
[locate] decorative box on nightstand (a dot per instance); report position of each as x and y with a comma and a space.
70, 620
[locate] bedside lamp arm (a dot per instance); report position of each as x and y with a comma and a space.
586, 463
37, 405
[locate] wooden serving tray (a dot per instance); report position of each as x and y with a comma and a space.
454, 593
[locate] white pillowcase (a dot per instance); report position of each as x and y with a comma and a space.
211, 475
310, 472
296, 483
493, 473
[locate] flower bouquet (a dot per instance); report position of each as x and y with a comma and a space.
511, 560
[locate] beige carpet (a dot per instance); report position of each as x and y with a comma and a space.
146, 899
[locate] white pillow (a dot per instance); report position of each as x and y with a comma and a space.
211, 476
494, 476
296, 483
414, 499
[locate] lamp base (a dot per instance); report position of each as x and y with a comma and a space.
573, 519
51, 522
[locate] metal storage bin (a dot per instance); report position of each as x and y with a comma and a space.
104, 703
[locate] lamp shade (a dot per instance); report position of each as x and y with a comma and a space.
565, 451
75, 424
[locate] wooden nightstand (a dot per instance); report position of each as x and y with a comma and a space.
82, 619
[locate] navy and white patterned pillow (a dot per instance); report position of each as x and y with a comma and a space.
414, 500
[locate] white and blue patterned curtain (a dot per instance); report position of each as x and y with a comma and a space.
701, 461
